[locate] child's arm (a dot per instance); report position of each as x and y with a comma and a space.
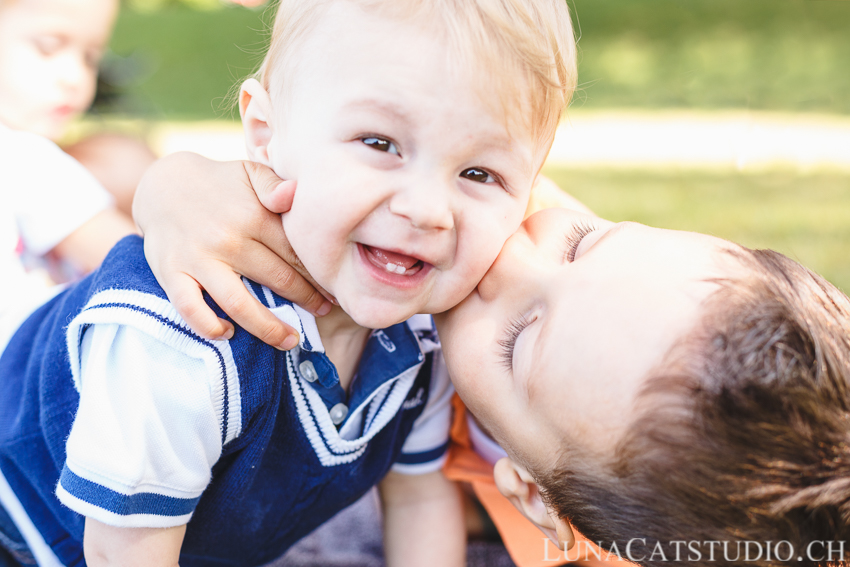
423, 521
88, 245
211, 209
58, 205
146, 433
423, 514
131, 547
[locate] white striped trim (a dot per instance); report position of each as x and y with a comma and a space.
184, 340
421, 468
128, 489
333, 449
89, 510
293, 315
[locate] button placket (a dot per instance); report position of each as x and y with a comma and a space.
308, 371
338, 413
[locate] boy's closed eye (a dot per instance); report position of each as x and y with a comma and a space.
574, 238
508, 343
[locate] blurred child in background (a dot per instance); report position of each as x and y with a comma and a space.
49, 203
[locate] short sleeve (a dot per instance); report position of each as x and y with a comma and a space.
425, 449
53, 193
146, 433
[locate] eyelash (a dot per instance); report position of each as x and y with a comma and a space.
381, 139
496, 179
508, 342
574, 237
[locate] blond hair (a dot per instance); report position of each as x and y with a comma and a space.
530, 39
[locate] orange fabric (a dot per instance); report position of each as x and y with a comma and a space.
524, 542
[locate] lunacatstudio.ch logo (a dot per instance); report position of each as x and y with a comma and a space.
637, 550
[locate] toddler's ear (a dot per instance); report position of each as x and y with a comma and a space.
518, 486
255, 108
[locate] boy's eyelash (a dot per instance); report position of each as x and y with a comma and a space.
378, 138
497, 179
508, 342
574, 237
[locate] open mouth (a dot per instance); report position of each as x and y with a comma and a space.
392, 262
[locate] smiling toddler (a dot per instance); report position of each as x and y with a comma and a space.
414, 131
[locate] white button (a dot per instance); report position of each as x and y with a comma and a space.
338, 413
308, 371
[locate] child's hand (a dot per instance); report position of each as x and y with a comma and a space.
204, 226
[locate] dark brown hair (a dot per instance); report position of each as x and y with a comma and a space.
745, 435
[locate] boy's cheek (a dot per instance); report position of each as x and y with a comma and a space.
455, 285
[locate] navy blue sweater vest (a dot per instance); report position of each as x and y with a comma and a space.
268, 489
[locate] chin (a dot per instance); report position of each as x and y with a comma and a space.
377, 315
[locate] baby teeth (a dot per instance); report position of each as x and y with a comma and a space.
395, 268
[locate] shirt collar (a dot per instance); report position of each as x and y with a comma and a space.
388, 353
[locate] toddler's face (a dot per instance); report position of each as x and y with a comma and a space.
49, 54
410, 177
556, 341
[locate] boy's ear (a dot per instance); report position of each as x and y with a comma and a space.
517, 485
255, 109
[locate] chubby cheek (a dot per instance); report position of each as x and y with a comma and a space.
87, 90
316, 242
477, 249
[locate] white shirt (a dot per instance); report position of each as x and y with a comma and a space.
45, 195
152, 405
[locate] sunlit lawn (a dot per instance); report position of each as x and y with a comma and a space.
804, 216
788, 55
758, 54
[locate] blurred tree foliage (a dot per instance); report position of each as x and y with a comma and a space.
760, 54
149, 6
178, 62
180, 58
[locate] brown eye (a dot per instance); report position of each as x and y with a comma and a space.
477, 175
381, 144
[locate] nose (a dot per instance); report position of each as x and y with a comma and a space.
74, 73
426, 204
517, 269
532, 255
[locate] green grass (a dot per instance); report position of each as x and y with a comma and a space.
188, 61
788, 55
806, 217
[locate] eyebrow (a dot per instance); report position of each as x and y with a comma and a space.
618, 228
385, 106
